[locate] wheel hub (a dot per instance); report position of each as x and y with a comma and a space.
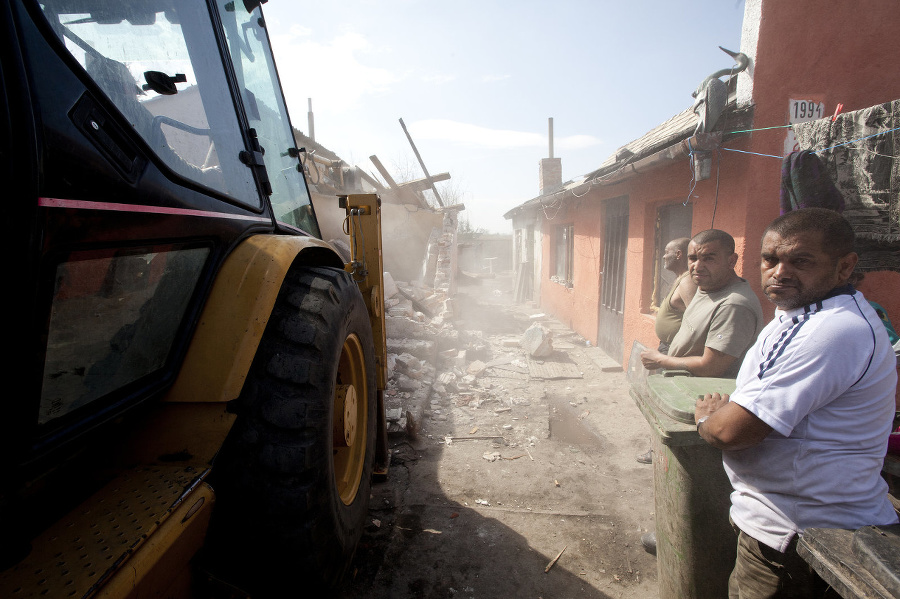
345, 415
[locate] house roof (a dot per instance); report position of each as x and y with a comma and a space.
677, 129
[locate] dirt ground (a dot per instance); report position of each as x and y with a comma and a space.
464, 516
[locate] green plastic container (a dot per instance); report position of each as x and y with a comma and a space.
695, 544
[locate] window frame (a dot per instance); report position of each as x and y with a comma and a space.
564, 255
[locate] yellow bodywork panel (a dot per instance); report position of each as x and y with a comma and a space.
235, 316
177, 432
134, 538
367, 267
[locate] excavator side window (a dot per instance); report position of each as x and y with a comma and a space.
248, 44
114, 318
159, 63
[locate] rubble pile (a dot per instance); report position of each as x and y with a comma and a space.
445, 268
418, 324
433, 366
418, 327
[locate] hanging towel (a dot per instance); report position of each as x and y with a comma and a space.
805, 183
867, 173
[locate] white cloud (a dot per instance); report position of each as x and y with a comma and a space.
438, 78
493, 78
577, 142
300, 31
330, 73
468, 134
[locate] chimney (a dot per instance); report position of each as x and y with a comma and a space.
551, 168
311, 121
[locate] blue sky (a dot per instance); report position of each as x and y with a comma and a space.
475, 82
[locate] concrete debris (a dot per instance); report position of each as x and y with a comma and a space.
407, 328
391, 364
491, 456
390, 287
447, 338
476, 368
420, 348
402, 309
405, 383
537, 341
500, 361
447, 379
459, 360
409, 365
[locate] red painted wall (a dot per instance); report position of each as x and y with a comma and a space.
826, 53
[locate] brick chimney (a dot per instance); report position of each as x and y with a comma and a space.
551, 168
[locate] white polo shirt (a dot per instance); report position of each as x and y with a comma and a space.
823, 377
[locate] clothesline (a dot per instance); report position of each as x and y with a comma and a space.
817, 151
556, 203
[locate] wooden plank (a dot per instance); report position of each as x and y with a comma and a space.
422, 164
384, 172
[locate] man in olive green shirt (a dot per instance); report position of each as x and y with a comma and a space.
723, 319
720, 324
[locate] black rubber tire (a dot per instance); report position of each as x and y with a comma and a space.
280, 527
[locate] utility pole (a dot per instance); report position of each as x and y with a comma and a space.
311, 121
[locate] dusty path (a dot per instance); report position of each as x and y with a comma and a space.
483, 517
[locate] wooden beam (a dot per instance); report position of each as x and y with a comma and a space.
384, 172
422, 164
371, 180
419, 185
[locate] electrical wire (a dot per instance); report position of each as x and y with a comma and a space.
712, 222
558, 197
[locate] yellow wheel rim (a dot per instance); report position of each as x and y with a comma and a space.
350, 414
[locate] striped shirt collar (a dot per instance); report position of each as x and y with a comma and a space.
815, 306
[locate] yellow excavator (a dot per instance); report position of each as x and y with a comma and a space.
194, 400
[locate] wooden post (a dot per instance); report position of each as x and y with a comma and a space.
422, 164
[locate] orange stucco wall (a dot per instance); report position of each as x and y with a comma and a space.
578, 306
828, 55
803, 52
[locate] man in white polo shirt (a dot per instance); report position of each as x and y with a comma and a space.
805, 432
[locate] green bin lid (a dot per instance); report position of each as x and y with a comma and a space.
676, 396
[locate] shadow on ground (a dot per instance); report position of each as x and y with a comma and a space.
451, 523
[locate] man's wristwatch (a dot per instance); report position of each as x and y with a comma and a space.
701, 421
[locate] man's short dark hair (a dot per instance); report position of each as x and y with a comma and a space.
680, 244
836, 233
710, 235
